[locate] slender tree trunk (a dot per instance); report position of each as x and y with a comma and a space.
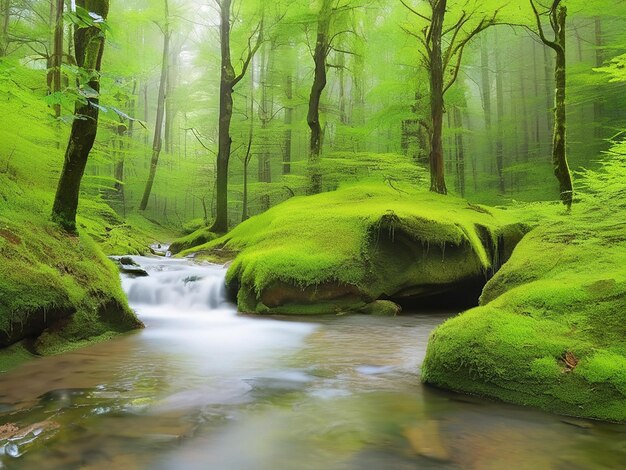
549, 87
559, 152
220, 225
265, 173
320, 55
57, 52
598, 104
157, 143
5, 18
288, 124
248, 156
89, 45
500, 128
170, 108
437, 181
460, 150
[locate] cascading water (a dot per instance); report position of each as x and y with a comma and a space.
177, 284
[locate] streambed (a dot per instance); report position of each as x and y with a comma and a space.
202, 387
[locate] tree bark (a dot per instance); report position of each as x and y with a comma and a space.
157, 143
320, 54
500, 113
460, 150
57, 52
436, 69
288, 124
220, 225
5, 12
558, 17
559, 152
89, 46
598, 104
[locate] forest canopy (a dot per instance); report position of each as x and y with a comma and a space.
216, 112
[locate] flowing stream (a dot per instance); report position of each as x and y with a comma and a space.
202, 387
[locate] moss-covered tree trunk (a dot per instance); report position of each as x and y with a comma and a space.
559, 151
157, 142
558, 17
320, 54
89, 45
436, 70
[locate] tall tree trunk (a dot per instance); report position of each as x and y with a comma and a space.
558, 17
57, 52
559, 152
320, 54
437, 180
170, 108
460, 150
5, 18
485, 81
157, 143
265, 171
288, 123
246, 161
89, 46
598, 104
220, 225
500, 111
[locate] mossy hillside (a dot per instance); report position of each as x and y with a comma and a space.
551, 328
46, 276
366, 241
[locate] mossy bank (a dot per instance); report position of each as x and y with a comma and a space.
551, 328
57, 291
340, 251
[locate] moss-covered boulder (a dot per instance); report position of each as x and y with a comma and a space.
343, 250
56, 290
551, 328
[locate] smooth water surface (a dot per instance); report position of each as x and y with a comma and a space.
202, 387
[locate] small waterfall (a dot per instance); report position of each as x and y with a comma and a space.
177, 284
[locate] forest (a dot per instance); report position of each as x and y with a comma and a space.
349, 233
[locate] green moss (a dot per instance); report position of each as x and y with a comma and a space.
551, 331
49, 279
197, 238
381, 240
14, 355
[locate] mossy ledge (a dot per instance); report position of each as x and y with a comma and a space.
340, 251
551, 328
56, 290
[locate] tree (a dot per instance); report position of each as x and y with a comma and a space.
557, 14
443, 62
228, 81
57, 52
89, 42
157, 143
320, 54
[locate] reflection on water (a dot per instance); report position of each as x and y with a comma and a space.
202, 387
